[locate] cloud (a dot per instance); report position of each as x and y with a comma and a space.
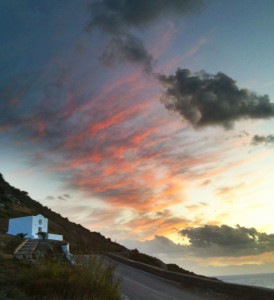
229, 191
158, 246
13, 95
116, 17
208, 260
206, 182
118, 148
213, 240
262, 139
201, 98
101, 218
119, 18
127, 48
205, 100
63, 197
147, 224
111, 140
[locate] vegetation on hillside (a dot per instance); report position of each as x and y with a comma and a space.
177, 269
144, 258
156, 262
51, 279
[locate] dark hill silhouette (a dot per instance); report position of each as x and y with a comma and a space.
16, 203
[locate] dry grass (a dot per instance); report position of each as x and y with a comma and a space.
92, 278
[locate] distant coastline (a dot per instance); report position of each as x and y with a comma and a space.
265, 280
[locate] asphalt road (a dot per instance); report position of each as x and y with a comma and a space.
140, 285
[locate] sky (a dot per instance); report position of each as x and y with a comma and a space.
148, 121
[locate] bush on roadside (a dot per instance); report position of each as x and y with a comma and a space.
144, 258
91, 279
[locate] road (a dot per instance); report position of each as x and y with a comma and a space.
140, 285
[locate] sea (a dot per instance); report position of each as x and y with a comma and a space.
261, 280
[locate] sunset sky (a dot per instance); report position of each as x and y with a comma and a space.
149, 121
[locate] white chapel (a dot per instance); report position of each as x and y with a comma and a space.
31, 226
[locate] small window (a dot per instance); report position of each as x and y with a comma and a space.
40, 222
39, 229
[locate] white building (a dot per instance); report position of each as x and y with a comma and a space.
32, 225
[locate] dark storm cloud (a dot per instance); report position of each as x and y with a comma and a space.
220, 235
119, 17
127, 48
204, 99
13, 93
263, 139
212, 240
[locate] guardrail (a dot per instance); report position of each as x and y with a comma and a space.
211, 285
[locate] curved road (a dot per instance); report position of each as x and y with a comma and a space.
140, 285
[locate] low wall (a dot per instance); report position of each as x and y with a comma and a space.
189, 281
70, 257
56, 237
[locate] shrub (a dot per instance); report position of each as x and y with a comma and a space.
91, 278
21, 235
144, 258
42, 235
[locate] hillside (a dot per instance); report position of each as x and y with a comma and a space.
16, 203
